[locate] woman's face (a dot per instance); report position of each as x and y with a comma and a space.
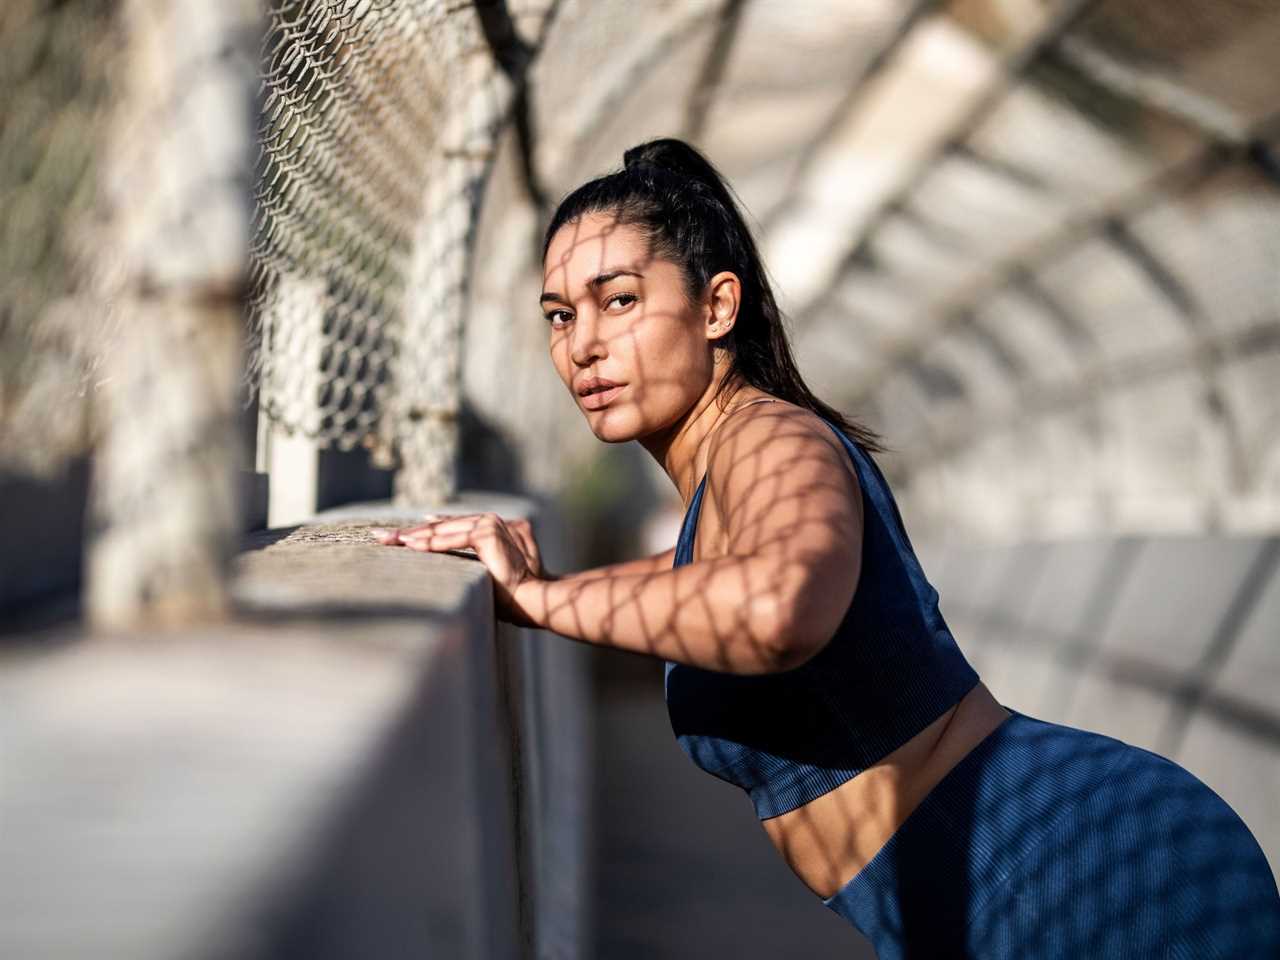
632, 350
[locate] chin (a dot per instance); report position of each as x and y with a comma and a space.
614, 426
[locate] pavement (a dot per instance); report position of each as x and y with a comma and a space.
681, 866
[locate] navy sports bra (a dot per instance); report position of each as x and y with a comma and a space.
891, 668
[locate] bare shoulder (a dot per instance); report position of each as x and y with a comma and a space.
768, 438
783, 461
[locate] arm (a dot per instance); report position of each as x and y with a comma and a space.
726, 613
640, 565
789, 502
791, 512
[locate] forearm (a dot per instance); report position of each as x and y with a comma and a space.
641, 565
729, 613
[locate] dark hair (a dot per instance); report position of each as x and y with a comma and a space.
689, 216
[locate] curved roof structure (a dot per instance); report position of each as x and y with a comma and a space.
1036, 244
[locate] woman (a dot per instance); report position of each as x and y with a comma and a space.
806, 660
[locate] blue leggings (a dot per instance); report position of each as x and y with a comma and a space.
1047, 841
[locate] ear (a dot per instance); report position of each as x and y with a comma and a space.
724, 296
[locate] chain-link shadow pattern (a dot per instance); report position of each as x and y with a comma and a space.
1052, 842
846, 744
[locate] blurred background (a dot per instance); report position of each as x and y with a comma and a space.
264, 261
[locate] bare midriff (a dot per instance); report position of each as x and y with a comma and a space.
831, 838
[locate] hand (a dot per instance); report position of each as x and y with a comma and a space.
506, 547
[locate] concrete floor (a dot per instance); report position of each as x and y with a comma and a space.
682, 868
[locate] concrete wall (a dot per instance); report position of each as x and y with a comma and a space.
361, 765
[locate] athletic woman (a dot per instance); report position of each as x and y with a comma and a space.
806, 659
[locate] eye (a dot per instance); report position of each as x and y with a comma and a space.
558, 318
624, 299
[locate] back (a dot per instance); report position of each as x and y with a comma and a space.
891, 668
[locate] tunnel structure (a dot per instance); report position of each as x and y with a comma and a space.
1034, 244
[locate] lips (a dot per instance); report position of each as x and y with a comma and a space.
597, 392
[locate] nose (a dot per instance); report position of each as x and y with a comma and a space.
587, 345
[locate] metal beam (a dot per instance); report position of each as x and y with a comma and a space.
1016, 62
1098, 380
1204, 114
851, 102
647, 52
712, 73
514, 57
939, 316
1194, 690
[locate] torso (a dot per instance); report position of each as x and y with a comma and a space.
828, 840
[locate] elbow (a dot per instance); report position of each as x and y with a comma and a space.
794, 646
783, 658
792, 614
787, 635
801, 624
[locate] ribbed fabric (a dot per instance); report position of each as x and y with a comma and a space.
891, 668
1049, 842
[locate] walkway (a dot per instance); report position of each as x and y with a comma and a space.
682, 868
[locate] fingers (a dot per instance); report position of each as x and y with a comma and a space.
514, 523
405, 537
451, 532
397, 535
427, 543
473, 524
394, 535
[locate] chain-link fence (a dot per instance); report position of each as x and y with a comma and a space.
1006, 233
379, 126
54, 71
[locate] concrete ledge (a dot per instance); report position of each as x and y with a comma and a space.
338, 568
349, 770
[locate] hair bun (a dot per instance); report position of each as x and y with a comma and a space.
670, 154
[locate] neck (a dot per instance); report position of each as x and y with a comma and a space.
681, 449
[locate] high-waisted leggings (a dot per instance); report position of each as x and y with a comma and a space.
1047, 841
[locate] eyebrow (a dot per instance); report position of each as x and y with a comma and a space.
599, 280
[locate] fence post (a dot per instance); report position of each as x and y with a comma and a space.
428, 373
175, 213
